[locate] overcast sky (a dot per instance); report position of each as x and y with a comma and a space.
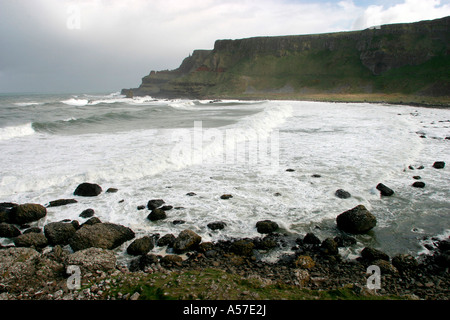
77, 46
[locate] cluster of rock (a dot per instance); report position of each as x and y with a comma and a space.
92, 244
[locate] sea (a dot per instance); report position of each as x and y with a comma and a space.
279, 160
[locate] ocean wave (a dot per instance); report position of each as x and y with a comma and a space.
26, 104
16, 131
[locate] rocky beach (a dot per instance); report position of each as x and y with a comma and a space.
38, 265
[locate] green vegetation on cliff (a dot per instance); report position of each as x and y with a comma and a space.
406, 63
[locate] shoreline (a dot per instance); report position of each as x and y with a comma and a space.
233, 269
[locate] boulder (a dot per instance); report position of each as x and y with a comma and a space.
266, 226
143, 262
404, 263
91, 221
25, 213
171, 260
418, 184
329, 247
100, 235
155, 203
439, 165
140, 246
344, 240
8, 231
166, 240
186, 240
59, 233
268, 242
242, 247
371, 254
311, 238
384, 190
88, 190
31, 240
356, 220
60, 202
342, 194
218, 225
87, 213
91, 260
157, 214
304, 262
226, 196
112, 190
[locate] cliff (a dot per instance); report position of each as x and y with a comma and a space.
408, 60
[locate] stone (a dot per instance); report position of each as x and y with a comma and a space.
112, 190
60, 202
88, 190
157, 214
26, 213
242, 247
87, 213
226, 196
8, 230
266, 226
371, 254
59, 233
140, 246
101, 235
91, 260
329, 247
218, 225
166, 240
31, 240
186, 241
311, 238
170, 260
384, 190
357, 220
439, 165
143, 262
404, 262
155, 203
342, 194
418, 184
304, 262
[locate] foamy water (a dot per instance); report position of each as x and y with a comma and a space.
152, 149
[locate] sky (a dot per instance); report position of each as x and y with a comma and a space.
93, 46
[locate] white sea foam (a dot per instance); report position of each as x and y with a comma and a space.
26, 104
16, 131
76, 102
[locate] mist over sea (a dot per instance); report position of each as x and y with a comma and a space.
164, 149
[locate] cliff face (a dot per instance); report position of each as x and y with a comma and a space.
401, 58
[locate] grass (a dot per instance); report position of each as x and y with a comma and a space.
214, 284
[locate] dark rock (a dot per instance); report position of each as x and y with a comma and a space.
311, 238
266, 226
268, 242
91, 221
356, 220
316, 175
155, 203
340, 193
60, 202
140, 207
290, 170
33, 229
87, 213
418, 184
187, 240
417, 177
166, 240
443, 259
26, 213
140, 246
112, 190
371, 254
35, 240
385, 267
59, 233
143, 262
9, 231
100, 235
171, 260
439, 165
384, 190
344, 240
175, 222
218, 225
166, 208
191, 194
277, 194
157, 214
242, 247
404, 263
5, 214
329, 247
444, 245
420, 167
88, 190
226, 196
